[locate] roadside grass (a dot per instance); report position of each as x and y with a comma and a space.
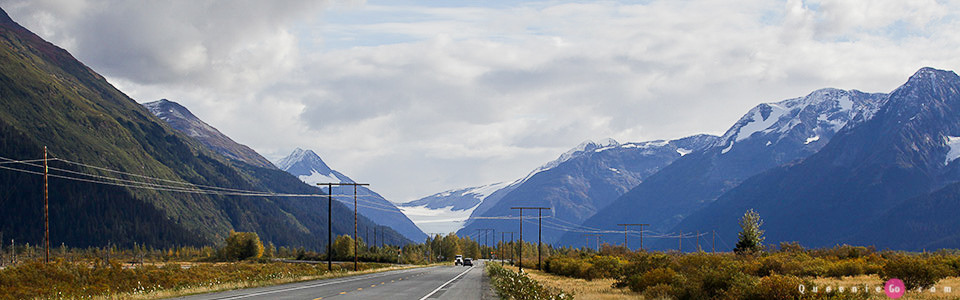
82, 280
600, 289
616, 273
513, 285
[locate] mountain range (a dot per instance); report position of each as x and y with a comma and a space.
121, 175
889, 181
767, 136
581, 182
834, 166
304, 164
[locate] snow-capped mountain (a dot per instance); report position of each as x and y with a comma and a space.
181, 119
581, 182
307, 165
812, 119
767, 136
447, 211
879, 183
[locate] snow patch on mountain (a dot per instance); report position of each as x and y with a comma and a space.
824, 111
954, 143
763, 117
315, 177
485, 191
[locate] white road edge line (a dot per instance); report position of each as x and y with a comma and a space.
445, 284
351, 278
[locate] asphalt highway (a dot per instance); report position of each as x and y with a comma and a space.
442, 282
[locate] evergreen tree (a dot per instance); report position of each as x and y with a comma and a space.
750, 239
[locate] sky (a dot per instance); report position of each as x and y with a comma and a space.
418, 97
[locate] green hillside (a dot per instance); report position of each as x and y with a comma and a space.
48, 98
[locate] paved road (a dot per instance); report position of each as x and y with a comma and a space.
443, 282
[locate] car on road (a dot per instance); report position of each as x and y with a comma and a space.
458, 261
467, 262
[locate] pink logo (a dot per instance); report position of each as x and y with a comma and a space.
894, 288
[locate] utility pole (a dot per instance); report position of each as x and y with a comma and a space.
356, 238
698, 240
500, 253
539, 233
46, 209
597, 235
625, 234
485, 244
330, 221
714, 247
512, 249
680, 241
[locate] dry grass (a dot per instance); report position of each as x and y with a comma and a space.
601, 289
873, 281
161, 294
581, 289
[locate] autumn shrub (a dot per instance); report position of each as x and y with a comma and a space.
708, 276
513, 285
846, 267
777, 287
605, 267
915, 271
640, 282
639, 263
659, 291
565, 266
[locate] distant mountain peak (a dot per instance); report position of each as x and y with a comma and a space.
309, 168
309, 160
822, 112
181, 119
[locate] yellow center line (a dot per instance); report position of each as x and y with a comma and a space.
384, 283
343, 293
373, 285
359, 289
317, 298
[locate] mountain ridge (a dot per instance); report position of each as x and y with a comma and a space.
51, 99
183, 120
311, 169
866, 172
768, 135
584, 180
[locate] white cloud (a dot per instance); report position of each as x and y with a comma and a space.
422, 97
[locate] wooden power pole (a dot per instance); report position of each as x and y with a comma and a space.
539, 234
46, 210
625, 234
330, 222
